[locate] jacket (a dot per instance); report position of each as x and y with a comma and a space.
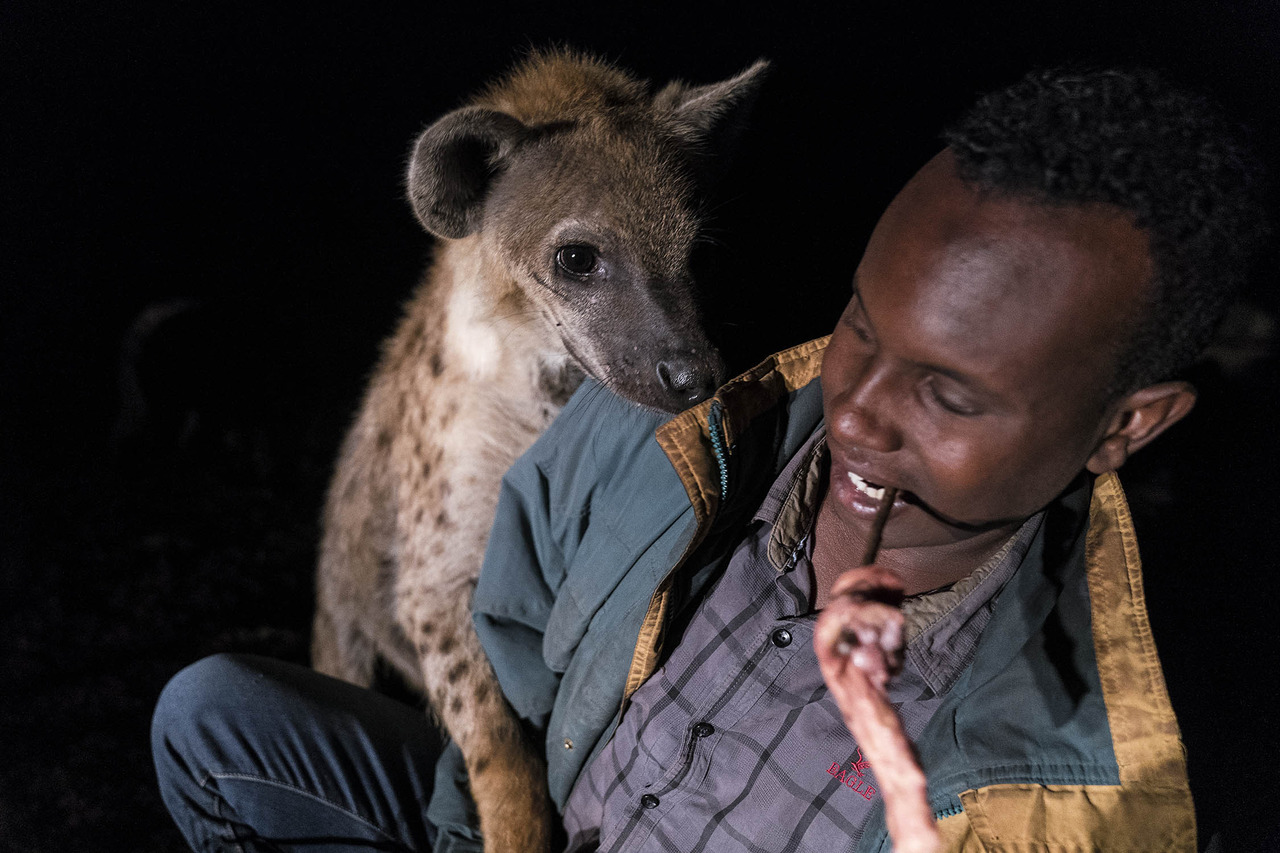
1059, 736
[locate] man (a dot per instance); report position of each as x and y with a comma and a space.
1016, 330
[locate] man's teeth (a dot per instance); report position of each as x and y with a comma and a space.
873, 492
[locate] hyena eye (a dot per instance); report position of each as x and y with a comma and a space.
577, 259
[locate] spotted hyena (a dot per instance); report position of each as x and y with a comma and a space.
569, 199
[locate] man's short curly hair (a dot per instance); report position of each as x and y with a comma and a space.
1128, 139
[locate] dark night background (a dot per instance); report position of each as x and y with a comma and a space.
207, 197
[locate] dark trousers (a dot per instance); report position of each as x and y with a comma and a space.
255, 754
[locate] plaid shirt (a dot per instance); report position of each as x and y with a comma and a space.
735, 743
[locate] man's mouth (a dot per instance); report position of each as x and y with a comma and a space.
875, 493
868, 488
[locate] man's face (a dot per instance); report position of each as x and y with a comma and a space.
969, 369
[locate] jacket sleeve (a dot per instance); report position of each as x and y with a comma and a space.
547, 501
513, 599
544, 506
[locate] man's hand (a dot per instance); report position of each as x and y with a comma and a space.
858, 640
864, 621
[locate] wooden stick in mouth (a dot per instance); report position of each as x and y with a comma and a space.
877, 525
875, 725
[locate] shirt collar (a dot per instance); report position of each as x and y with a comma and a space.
942, 628
792, 502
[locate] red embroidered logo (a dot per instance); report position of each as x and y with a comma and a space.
852, 778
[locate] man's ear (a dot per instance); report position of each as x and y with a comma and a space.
1137, 419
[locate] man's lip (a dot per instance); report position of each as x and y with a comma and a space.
866, 474
859, 482
849, 494
864, 505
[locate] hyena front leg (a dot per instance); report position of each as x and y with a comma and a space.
507, 772
442, 546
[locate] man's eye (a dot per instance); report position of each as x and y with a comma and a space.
577, 259
951, 402
857, 324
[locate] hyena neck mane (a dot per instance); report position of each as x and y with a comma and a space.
479, 330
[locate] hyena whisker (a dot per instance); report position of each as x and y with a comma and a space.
712, 208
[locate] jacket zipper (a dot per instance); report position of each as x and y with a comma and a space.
715, 428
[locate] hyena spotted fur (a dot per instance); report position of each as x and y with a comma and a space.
569, 197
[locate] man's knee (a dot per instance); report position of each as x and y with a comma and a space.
246, 745
202, 686
197, 711
193, 723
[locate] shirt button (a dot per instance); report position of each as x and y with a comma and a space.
781, 638
704, 730
649, 801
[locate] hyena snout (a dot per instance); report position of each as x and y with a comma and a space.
688, 380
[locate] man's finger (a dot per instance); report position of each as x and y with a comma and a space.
869, 582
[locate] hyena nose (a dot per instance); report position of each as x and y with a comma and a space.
686, 381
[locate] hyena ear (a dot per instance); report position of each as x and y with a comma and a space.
453, 165
713, 117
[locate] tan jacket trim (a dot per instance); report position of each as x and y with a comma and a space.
1144, 731
1152, 809
684, 439
1018, 818
760, 388
957, 836
649, 644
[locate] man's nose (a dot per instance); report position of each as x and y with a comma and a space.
866, 415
